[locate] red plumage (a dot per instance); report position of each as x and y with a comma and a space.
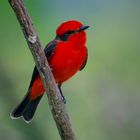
66, 55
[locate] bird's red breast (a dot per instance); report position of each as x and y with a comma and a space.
67, 60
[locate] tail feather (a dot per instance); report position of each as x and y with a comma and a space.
18, 111
26, 108
30, 109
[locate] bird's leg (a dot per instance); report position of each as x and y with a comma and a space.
63, 97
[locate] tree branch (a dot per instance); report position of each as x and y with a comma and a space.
57, 107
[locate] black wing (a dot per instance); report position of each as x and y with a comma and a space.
49, 49
84, 64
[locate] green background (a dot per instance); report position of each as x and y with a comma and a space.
103, 100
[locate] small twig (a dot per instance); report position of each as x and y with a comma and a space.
57, 106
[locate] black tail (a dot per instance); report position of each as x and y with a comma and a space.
26, 109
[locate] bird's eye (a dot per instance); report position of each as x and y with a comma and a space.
65, 36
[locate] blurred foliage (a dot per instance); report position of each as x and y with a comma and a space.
105, 103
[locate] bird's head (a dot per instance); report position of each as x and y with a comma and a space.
72, 31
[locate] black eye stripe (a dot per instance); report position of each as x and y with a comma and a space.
69, 32
66, 35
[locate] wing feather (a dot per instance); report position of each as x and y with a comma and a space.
49, 49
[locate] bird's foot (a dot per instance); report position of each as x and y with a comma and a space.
63, 99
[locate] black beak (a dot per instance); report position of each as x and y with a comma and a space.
82, 28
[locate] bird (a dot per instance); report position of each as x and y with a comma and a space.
66, 54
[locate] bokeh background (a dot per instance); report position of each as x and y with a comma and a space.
104, 99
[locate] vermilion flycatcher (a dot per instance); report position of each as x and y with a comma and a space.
66, 55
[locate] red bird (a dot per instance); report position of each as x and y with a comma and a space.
66, 55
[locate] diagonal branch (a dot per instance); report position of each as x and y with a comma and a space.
56, 105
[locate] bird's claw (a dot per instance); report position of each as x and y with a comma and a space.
63, 99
